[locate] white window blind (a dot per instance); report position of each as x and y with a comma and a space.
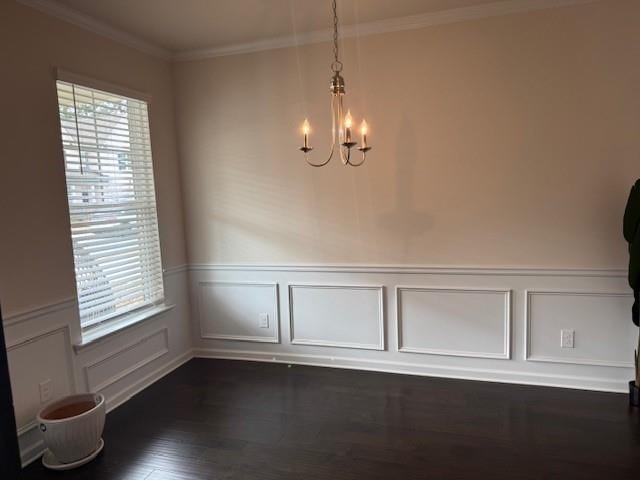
112, 205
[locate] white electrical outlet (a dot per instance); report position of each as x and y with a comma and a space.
46, 391
264, 320
567, 338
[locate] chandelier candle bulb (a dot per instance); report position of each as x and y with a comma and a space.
348, 123
306, 129
364, 129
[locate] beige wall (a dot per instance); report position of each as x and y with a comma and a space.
36, 266
509, 141
503, 142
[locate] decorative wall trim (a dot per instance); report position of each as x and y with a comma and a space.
32, 314
574, 361
242, 338
418, 270
421, 369
98, 84
98, 27
66, 303
379, 288
34, 451
27, 427
506, 353
124, 395
118, 327
33, 338
175, 270
411, 22
123, 373
389, 25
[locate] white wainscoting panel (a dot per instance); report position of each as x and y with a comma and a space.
458, 322
604, 333
41, 357
99, 374
349, 316
40, 343
454, 321
231, 311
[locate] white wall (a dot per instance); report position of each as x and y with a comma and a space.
485, 324
503, 143
502, 109
37, 285
40, 348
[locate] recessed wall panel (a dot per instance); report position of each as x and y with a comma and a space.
454, 321
350, 316
601, 322
239, 311
43, 357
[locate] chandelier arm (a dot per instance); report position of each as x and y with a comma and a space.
345, 160
306, 158
331, 152
333, 136
346, 157
361, 162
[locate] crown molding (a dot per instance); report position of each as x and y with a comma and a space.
411, 22
98, 27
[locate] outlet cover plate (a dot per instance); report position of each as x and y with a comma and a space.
46, 391
567, 338
263, 321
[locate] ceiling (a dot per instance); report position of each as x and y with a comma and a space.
186, 25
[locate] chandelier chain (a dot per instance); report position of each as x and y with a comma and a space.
336, 66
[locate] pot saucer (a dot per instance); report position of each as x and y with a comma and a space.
50, 461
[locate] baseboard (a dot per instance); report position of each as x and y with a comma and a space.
132, 390
485, 375
34, 451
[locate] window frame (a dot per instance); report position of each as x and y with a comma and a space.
119, 320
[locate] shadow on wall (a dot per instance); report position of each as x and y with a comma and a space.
406, 218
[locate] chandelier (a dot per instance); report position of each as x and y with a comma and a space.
342, 137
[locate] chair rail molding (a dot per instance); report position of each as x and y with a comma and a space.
524, 271
37, 312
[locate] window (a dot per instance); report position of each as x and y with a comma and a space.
114, 225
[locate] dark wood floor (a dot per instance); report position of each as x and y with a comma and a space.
242, 420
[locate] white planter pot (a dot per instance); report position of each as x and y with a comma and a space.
72, 426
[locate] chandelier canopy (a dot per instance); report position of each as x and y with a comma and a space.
342, 138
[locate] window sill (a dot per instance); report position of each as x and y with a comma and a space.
102, 332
